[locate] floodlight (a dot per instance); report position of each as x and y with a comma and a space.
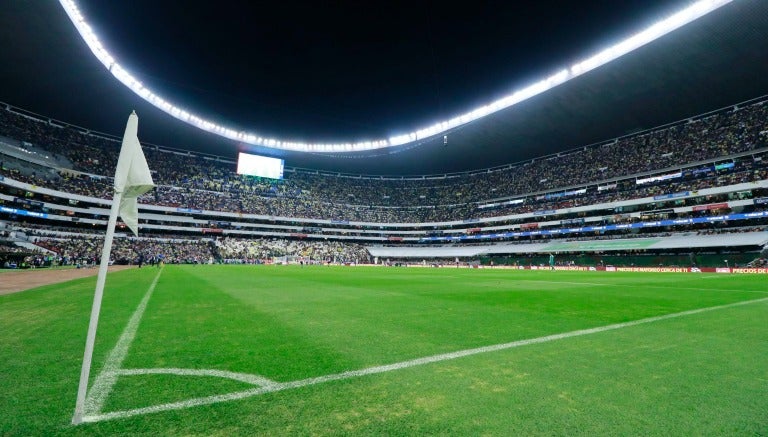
655, 31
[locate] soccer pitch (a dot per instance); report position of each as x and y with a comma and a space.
285, 350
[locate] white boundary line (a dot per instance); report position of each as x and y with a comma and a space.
275, 386
707, 289
107, 378
662, 287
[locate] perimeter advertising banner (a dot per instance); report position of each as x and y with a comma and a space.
751, 270
655, 269
711, 206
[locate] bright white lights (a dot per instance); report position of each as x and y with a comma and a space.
687, 15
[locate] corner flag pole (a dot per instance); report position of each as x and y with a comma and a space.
132, 179
95, 309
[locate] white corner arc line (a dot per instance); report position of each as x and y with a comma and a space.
397, 366
107, 378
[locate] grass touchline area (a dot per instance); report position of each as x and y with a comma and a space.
268, 386
210, 334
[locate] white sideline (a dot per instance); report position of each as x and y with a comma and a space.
107, 378
662, 287
276, 386
708, 289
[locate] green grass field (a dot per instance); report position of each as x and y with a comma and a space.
287, 335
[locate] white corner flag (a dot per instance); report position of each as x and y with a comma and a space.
132, 179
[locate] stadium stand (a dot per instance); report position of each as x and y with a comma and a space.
694, 184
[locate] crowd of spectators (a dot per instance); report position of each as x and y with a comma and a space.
731, 230
7, 247
87, 250
191, 181
249, 250
745, 169
759, 263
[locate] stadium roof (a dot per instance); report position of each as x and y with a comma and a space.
359, 70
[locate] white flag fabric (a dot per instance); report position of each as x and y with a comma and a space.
132, 177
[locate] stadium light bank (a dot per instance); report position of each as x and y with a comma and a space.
655, 31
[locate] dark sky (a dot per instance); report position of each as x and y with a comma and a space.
307, 71
346, 70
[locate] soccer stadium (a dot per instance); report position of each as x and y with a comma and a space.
205, 234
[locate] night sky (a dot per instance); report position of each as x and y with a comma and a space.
320, 71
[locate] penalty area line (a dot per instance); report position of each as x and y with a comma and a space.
277, 386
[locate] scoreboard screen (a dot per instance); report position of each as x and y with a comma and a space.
261, 166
